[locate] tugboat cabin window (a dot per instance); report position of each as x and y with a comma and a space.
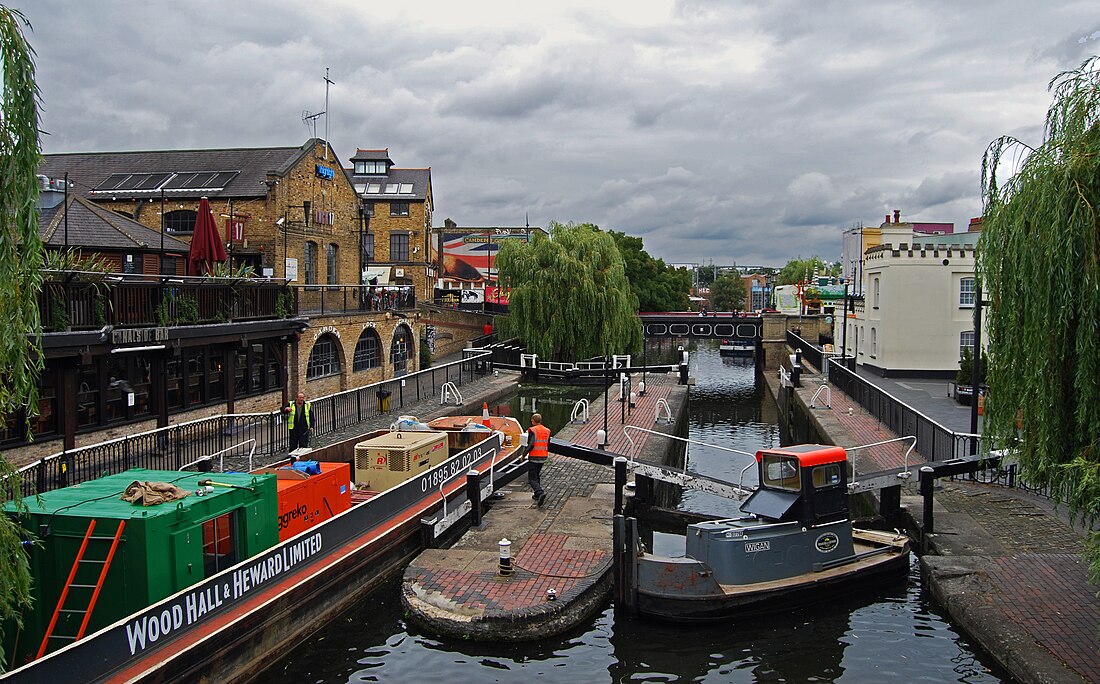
781, 472
826, 475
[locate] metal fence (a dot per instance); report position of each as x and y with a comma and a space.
175, 446
934, 441
340, 299
145, 301
809, 352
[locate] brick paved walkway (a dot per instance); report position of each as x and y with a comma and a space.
565, 545
658, 386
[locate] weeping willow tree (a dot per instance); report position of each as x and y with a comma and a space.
569, 297
1039, 261
20, 282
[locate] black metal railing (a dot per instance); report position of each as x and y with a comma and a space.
342, 299
175, 446
810, 353
87, 301
934, 441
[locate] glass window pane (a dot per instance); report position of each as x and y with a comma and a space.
215, 377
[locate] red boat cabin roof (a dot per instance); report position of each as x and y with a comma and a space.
809, 455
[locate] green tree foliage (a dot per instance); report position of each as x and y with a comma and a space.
1039, 262
798, 270
656, 286
728, 293
569, 296
20, 281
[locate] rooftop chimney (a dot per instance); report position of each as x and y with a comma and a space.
897, 216
888, 218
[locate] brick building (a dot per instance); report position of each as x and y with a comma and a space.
290, 213
397, 210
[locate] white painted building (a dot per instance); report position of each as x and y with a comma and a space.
918, 307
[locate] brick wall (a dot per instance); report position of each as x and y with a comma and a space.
346, 331
453, 328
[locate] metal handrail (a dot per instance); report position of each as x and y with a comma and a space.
828, 395
581, 408
905, 470
662, 403
450, 387
222, 453
680, 439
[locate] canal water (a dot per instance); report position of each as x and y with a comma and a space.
896, 634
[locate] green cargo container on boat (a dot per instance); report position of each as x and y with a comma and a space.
162, 548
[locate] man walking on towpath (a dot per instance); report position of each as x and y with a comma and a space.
299, 422
538, 450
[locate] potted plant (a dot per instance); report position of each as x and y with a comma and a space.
964, 379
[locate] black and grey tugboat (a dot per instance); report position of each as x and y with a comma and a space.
795, 546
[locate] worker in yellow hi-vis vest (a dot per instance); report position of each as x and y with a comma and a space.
299, 422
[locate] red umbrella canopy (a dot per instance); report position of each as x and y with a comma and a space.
206, 242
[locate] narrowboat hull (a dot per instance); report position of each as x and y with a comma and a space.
227, 627
684, 590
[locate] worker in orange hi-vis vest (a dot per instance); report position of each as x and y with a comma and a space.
537, 451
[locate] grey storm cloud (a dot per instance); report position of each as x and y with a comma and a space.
718, 132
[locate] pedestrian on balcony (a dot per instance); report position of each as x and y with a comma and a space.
299, 422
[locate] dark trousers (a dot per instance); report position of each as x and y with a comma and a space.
534, 472
299, 438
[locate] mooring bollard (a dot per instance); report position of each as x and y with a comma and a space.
505, 566
620, 482
927, 483
473, 494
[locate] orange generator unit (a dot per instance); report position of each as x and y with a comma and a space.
307, 499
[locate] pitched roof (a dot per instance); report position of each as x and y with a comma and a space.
93, 226
419, 179
373, 155
242, 170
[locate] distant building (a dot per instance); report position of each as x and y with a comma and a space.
857, 240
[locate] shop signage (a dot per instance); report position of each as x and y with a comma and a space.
139, 335
326, 172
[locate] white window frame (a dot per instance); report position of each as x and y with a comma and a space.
967, 292
966, 341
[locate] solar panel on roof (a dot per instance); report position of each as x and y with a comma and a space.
223, 178
179, 181
111, 182
152, 181
201, 180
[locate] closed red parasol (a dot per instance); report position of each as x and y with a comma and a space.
206, 242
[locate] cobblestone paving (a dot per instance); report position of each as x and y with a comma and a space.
1018, 523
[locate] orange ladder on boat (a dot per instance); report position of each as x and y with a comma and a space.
71, 583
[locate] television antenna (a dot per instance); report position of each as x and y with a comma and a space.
310, 120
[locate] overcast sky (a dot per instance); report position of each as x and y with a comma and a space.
719, 132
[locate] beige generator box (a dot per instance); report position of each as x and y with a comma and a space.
390, 459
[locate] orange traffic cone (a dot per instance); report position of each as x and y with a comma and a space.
485, 415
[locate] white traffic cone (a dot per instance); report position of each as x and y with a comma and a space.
485, 415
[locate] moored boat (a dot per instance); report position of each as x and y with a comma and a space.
796, 545
210, 584
736, 347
